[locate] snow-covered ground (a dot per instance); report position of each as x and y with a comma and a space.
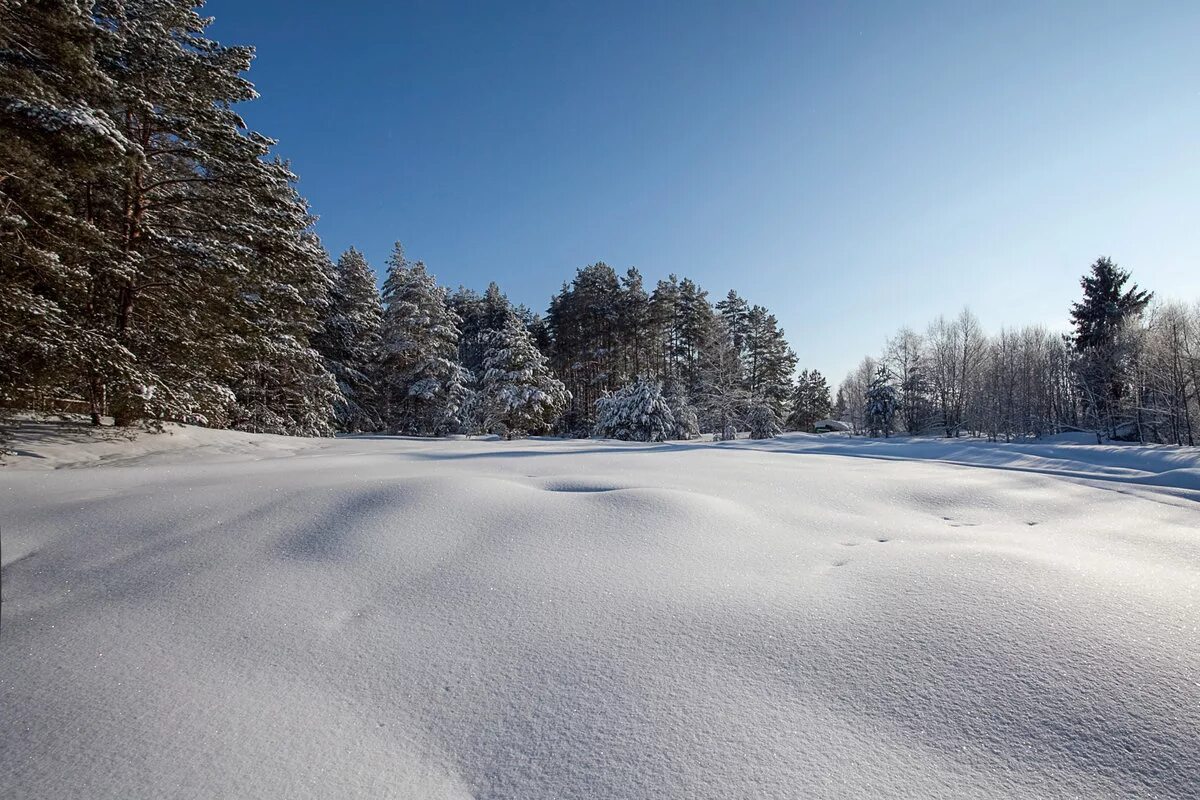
208, 614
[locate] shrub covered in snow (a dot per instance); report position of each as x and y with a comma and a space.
635, 413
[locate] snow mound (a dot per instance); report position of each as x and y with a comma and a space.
214, 614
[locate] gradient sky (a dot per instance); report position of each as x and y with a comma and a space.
854, 167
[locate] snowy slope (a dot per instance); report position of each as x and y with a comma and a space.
222, 615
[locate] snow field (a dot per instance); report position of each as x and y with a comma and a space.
224, 615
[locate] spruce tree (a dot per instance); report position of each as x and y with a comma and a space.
880, 412
517, 393
761, 421
424, 389
635, 413
1104, 343
349, 341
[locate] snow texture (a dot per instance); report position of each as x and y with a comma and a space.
210, 614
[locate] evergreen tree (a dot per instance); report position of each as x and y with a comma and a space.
517, 393
583, 320
721, 397
57, 141
1104, 343
762, 422
636, 335
810, 401
665, 323
768, 361
635, 413
1106, 305
350, 341
425, 390
880, 411
736, 313
687, 423
170, 261
695, 319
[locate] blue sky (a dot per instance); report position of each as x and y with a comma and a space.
854, 167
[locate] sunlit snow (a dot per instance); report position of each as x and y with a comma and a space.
214, 614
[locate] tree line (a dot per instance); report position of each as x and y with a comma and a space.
420, 359
1127, 369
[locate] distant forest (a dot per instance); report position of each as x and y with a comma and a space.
159, 264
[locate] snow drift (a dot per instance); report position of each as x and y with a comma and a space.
210, 614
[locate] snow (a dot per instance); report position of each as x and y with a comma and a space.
216, 614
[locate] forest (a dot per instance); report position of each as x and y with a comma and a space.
159, 264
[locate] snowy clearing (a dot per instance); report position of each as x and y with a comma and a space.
214, 614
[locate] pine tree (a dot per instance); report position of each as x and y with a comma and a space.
768, 362
517, 393
695, 321
721, 397
636, 337
56, 142
810, 401
185, 280
635, 413
425, 390
583, 320
350, 341
880, 404
736, 313
687, 423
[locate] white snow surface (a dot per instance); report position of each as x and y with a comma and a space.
206, 614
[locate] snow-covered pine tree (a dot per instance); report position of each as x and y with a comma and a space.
810, 401
768, 362
479, 315
424, 388
193, 215
583, 321
57, 142
736, 313
880, 412
517, 393
635, 413
720, 393
349, 341
687, 423
761, 421
175, 255
283, 385
696, 320
636, 337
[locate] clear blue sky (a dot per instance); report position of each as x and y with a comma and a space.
852, 166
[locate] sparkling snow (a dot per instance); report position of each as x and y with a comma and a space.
212, 614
